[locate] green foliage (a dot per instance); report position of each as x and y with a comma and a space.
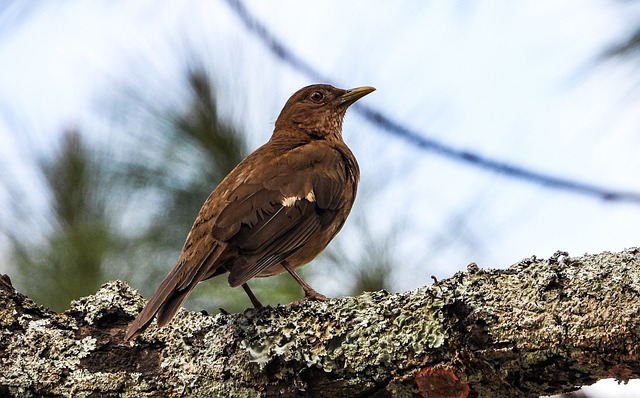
69, 263
123, 210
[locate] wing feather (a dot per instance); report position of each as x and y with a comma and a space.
275, 249
271, 232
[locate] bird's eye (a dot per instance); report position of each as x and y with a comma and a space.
316, 96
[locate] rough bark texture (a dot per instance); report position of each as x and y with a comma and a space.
540, 327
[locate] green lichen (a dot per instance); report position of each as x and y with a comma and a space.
352, 333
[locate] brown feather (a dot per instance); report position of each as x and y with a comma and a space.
281, 205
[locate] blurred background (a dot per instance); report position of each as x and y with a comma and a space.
501, 129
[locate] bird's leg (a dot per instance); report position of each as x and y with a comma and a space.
309, 292
256, 303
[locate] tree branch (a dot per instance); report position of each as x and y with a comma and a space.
540, 327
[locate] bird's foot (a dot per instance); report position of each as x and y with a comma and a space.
310, 296
315, 296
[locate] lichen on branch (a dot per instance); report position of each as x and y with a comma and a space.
539, 327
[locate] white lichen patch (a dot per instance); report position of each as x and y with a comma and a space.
91, 383
114, 294
47, 353
39, 341
195, 349
8, 314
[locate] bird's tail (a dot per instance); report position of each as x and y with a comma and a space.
171, 293
165, 302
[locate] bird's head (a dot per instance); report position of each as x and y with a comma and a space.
318, 110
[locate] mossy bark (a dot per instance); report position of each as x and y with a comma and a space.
539, 327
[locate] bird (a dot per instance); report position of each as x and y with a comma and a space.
275, 211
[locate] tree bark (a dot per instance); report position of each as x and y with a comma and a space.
537, 328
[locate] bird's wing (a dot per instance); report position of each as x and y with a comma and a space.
275, 217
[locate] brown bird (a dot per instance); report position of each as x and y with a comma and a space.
275, 211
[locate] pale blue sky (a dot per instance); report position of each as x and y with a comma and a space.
512, 80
